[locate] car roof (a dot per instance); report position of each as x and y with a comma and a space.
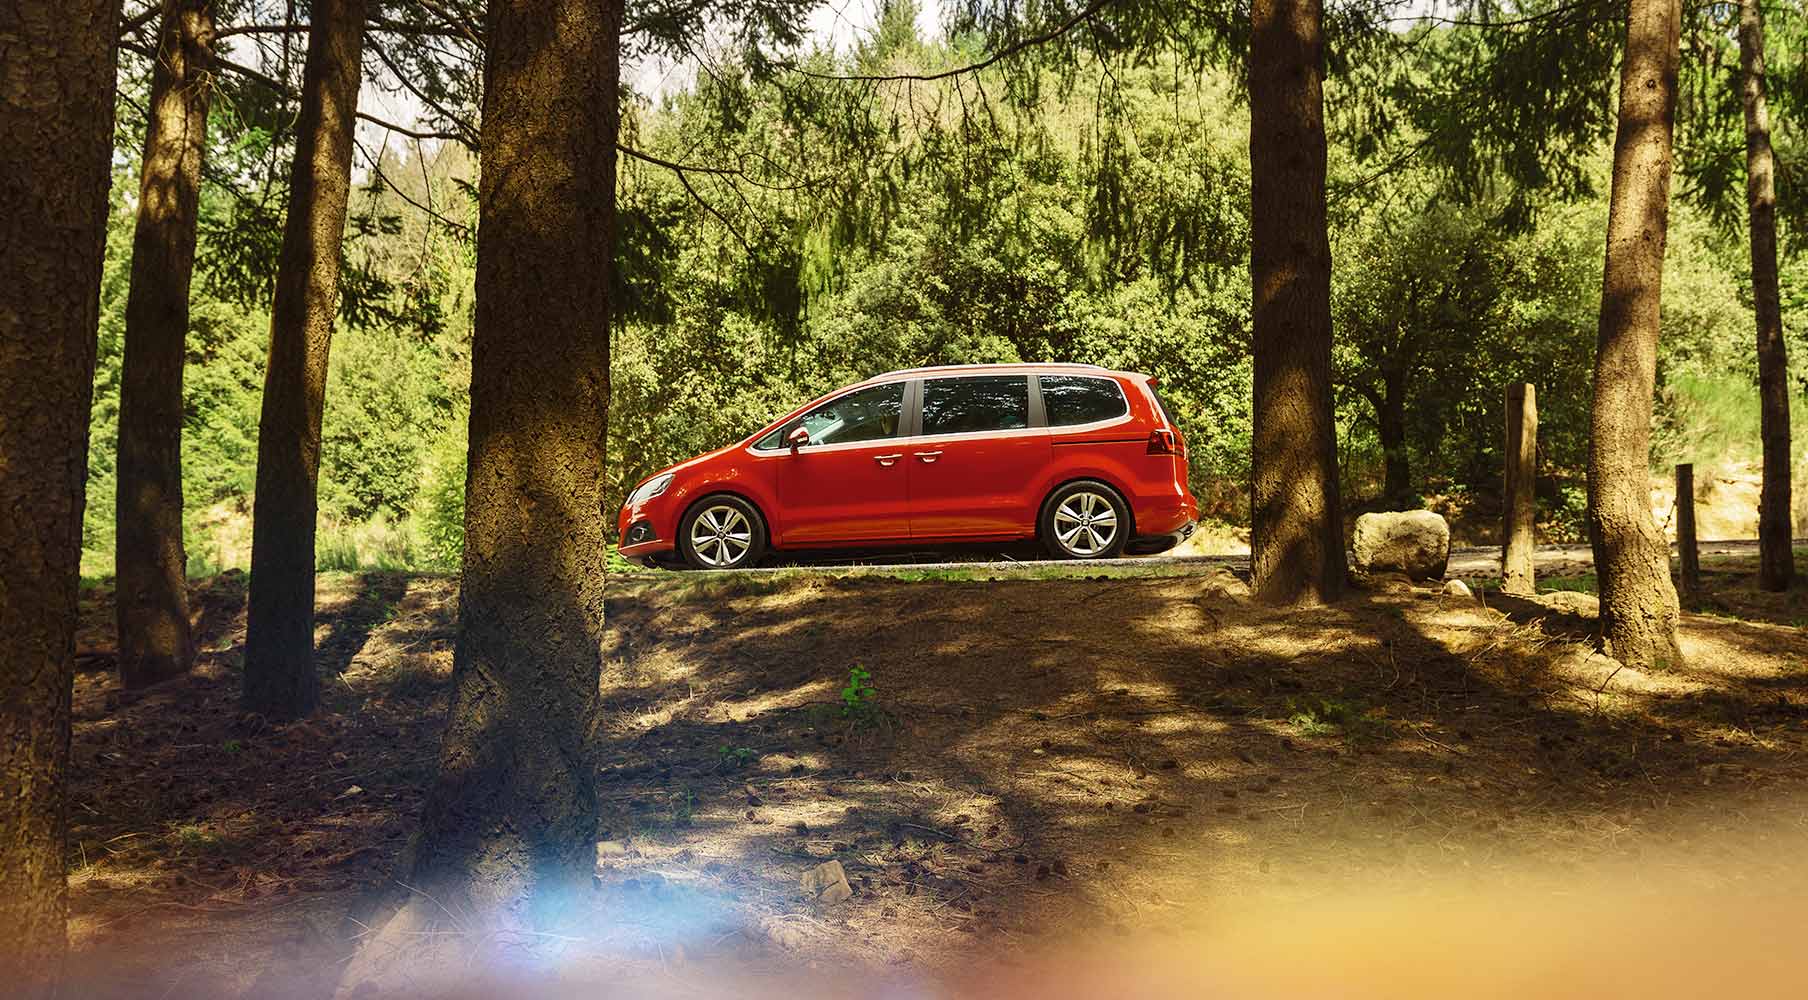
1007, 368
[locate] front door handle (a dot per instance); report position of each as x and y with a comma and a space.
888, 460
928, 456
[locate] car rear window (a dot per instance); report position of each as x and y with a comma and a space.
1162, 404
976, 403
1081, 399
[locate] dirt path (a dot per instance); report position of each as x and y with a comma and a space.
1041, 761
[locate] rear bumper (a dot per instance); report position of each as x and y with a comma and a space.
1150, 544
1165, 515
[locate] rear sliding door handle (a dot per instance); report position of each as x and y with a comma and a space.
888, 460
928, 456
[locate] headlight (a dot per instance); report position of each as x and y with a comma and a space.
649, 489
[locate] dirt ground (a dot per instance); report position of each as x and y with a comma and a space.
1108, 760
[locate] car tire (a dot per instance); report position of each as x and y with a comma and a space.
1085, 520
722, 532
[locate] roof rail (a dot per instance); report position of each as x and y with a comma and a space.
991, 365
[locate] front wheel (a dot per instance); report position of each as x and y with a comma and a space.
1085, 520
722, 532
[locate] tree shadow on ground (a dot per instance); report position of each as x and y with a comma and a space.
1045, 755
375, 600
1066, 723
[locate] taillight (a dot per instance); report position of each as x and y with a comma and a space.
1163, 442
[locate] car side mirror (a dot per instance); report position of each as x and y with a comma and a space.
798, 437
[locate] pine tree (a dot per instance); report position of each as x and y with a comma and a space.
1639, 608
56, 146
279, 641
151, 575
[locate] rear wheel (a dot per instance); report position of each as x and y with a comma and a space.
1085, 520
722, 532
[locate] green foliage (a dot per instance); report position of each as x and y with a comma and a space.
1088, 202
1317, 716
442, 498
1581, 583
735, 757
191, 838
858, 696
381, 543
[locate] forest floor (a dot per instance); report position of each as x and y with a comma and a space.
1045, 767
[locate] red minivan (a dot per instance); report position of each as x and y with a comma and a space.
1082, 458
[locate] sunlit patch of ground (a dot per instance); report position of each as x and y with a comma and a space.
1043, 766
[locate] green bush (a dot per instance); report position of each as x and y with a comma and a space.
442, 502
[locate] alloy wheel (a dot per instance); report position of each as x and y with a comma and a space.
1086, 523
720, 536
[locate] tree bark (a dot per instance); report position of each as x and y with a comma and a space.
56, 144
279, 642
1517, 571
509, 824
1776, 518
1632, 561
151, 571
1296, 524
1392, 421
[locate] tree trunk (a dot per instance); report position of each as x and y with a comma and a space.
1392, 420
56, 145
509, 824
1776, 519
1296, 529
279, 641
152, 569
1518, 545
1632, 561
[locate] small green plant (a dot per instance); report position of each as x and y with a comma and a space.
1309, 720
1315, 716
232, 746
857, 698
190, 838
729, 756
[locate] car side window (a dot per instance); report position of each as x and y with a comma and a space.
1081, 399
964, 405
869, 414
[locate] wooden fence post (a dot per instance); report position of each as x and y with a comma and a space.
1685, 536
1517, 575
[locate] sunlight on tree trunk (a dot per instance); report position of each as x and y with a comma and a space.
151, 575
509, 824
1776, 518
1519, 514
279, 641
1632, 560
56, 144
1296, 527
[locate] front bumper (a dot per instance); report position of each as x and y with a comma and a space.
644, 532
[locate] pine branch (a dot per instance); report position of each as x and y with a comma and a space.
130, 25
1005, 53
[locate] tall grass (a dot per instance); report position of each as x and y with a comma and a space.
378, 544
1713, 421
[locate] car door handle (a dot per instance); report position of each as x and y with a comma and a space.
888, 460
929, 456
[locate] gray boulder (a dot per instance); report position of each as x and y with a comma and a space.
1413, 542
